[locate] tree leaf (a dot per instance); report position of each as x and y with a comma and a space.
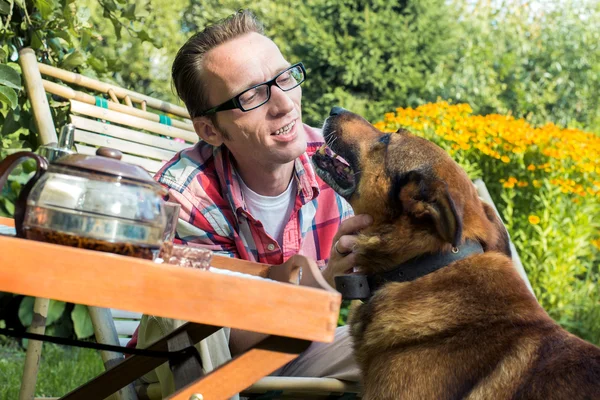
26, 311
36, 42
12, 122
82, 323
129, 12
74, 59
9, 77
61, 34
9, 206
55, 310
4, 7
117, 27
8, 95
143, 36
46, 7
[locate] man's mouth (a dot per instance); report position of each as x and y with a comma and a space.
335, 171
285, 129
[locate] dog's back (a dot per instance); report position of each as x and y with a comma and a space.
453, 335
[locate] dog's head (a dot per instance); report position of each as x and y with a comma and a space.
421, 201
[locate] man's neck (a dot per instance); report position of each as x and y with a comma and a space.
266, 181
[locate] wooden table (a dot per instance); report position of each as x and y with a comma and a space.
293, 315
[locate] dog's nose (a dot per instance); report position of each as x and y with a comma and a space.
336, 110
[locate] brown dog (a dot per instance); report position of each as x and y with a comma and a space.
450, 318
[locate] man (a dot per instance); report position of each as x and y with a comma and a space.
248, 189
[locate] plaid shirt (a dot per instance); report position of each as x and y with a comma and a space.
214, 215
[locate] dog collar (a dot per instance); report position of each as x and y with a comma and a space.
361, 287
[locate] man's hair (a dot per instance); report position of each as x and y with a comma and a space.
187, 67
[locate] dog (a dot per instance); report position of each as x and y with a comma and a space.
447, 316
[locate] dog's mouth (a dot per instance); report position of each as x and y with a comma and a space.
335, 170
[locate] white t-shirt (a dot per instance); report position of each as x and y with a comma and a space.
272, 211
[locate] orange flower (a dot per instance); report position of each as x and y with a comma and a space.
531, 167
534, 219
505, 159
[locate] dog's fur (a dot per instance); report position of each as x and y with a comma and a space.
471, 330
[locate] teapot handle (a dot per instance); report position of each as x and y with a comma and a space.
6, 167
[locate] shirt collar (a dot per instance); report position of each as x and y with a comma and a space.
304, 173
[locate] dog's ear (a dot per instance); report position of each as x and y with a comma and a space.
427, 199
501, 242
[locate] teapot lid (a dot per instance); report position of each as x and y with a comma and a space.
107, 161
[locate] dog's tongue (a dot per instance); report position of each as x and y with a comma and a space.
324, 150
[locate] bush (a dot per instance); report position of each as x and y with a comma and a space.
532, 59
546, 184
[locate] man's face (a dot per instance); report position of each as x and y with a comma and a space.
254, 136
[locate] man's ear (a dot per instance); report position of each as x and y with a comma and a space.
428, 200
207, 131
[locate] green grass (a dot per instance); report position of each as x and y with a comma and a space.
62, 369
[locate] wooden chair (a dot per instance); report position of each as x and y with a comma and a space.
149, 132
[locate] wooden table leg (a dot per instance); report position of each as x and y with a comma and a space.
244, 370
135, 366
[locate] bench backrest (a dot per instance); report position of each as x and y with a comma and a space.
148, 131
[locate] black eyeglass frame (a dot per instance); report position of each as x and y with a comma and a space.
234, 102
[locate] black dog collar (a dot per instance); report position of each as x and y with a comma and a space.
356, 286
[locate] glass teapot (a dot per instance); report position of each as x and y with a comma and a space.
93, 202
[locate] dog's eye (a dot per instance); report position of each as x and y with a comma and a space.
385, 139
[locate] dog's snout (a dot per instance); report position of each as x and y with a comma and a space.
336, 110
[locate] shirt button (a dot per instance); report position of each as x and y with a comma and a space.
270, 247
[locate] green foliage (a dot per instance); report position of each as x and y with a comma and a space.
368, 56
532, 61
140, 65
62, 369
82, 321
61, 320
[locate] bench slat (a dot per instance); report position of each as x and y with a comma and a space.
123, 145
125, 314
103, 87
129, 120
126, 328
71, 94
127, 134
149, 165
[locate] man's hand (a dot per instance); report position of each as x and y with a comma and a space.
342, 257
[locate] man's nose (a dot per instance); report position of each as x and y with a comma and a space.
336, 110
281, 100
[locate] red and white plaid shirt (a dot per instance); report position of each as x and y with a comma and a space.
214, 215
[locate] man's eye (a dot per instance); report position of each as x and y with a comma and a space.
286, 77
248, 96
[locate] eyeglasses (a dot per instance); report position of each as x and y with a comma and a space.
258, 95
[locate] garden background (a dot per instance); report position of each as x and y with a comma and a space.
510, 88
